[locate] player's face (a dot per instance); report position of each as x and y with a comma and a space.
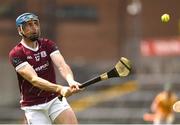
31, 30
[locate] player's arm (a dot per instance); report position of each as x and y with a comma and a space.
30, 75
155, 104
64, 69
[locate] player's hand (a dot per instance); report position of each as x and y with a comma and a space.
66, 91
75, 86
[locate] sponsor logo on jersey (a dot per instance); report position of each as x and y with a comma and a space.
29, 57
42, 67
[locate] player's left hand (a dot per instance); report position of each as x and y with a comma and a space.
75, 86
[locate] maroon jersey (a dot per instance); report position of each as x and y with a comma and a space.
40, 60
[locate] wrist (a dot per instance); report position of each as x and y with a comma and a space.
58, 89
69, 78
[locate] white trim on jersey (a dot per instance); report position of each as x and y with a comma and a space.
21, 65
33, 49
55, 52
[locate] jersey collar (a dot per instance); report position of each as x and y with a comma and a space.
33, 49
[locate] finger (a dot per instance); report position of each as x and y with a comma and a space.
72, 86
72, 89
79, 84
68, 93
75, 87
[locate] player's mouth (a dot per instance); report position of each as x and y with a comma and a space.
34, 37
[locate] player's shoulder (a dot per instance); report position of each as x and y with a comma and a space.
16, 49
46, 43
45, 40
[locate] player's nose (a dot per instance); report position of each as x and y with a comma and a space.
34, 29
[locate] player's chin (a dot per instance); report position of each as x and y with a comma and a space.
34, 37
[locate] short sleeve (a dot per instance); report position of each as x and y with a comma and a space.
51, 46
17, 59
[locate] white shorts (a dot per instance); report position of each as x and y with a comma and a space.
45, 113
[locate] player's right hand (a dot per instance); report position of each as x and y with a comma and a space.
66, 91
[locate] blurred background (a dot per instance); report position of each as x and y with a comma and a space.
92, 35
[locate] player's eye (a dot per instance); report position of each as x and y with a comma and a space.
36, 22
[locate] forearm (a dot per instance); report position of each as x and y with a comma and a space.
154, 106
45, 85
28, 73
63, 67
67, 73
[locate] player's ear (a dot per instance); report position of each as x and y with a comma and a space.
19, 30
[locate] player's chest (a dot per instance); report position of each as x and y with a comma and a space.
37, 58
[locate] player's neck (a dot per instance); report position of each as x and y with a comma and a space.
30, 43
